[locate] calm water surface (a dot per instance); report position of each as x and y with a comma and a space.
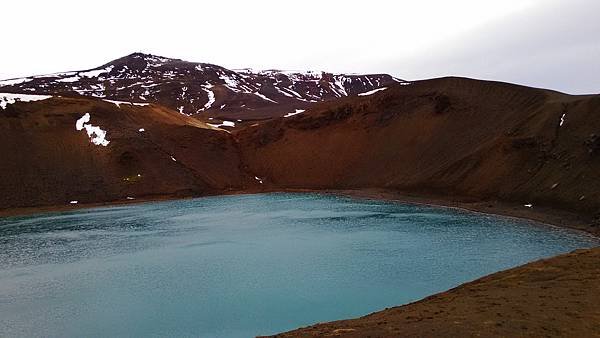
239, 266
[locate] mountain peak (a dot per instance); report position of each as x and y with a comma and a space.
194, 88
139, 58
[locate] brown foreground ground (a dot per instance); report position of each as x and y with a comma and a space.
556, 297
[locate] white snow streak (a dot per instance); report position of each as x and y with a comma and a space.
119, 103
298, 111
339, 82
284, 93
223, 124
371, 92
264, 97
69, 79
211, 98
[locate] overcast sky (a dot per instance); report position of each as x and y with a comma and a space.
544, 43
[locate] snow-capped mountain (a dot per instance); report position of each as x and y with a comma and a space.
196, 88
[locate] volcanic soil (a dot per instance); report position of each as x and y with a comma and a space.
556, 297
484, 145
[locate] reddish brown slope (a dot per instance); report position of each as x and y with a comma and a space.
556, 297
453, 136
46, 161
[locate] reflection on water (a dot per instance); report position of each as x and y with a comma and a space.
238, 266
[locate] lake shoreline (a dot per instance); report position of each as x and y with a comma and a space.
539, 214
523, 287
557, 296
545, 215
486, 306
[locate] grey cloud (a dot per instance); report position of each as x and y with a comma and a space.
557, 46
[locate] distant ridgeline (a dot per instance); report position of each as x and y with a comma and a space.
194, 88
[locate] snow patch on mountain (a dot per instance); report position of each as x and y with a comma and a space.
211, 98
264, 97
96, 72
298, 111
155, 61
179, 85
292, 75
222, 124
294, 92
283, 92
338, 81
119, 103
10, 98
371, 92
69, 79
96, 134
13, 82
229, 81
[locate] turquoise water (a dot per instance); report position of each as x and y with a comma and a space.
239, 266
